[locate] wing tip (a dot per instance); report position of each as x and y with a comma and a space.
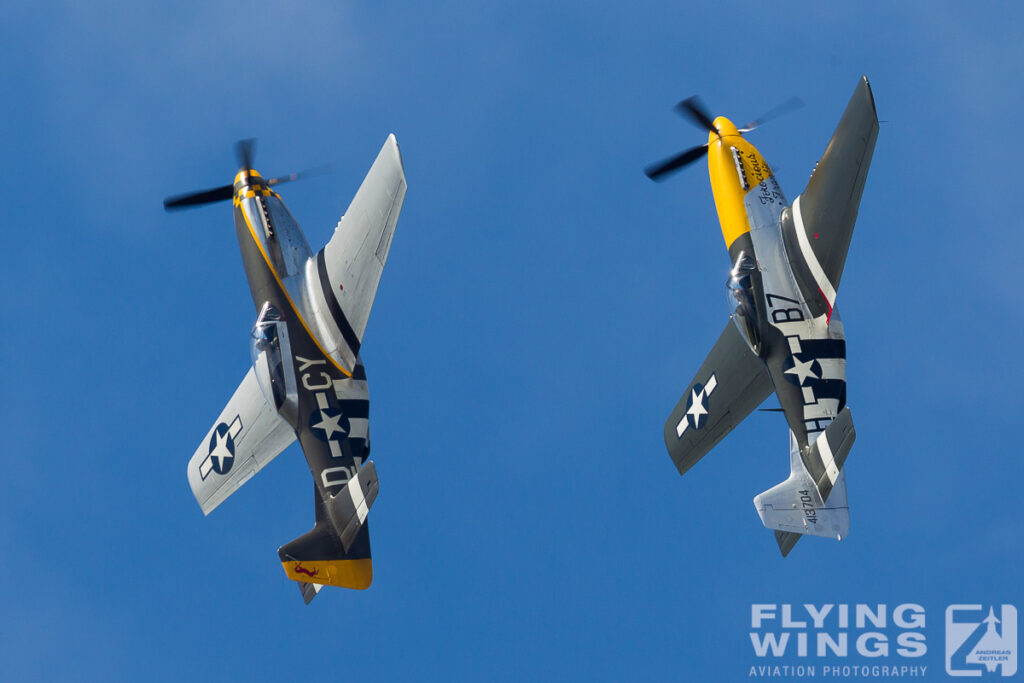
866, 85
392, 142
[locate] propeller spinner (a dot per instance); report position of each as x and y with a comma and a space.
693, 109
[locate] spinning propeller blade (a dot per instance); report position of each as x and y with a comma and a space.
301, 175
244, 151
660, 170
693, 109
789, 105
182, 201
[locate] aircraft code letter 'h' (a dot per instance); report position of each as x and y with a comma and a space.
307, 380
785, 335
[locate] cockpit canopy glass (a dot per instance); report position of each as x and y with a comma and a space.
740, 288
271, 358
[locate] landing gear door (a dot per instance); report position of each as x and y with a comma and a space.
272, 361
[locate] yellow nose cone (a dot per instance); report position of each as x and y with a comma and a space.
725, 128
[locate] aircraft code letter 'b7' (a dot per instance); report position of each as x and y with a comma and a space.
307, 380
785, 335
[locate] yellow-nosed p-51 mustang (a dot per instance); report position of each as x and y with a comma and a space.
307, 380
785, 335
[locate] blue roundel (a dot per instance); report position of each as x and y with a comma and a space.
222, 449
329, 424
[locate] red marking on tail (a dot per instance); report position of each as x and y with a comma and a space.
299, 569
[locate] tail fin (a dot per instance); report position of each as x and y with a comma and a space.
797, 506
337, 550
319, 558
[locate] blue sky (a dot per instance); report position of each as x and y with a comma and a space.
543, 307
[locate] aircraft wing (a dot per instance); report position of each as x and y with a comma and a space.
248, 434
731, 382
819, 224
350, 266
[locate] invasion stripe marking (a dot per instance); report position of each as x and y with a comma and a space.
829, 388
825, 451
354, 408
358, 499
332, 303
823, 348
825, 287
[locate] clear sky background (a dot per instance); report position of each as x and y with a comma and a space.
543, 307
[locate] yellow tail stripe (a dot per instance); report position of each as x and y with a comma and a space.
357, 574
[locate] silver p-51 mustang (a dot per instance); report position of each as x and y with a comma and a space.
785, 335
307, 381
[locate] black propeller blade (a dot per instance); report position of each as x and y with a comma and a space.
693, 109
182, 201
301, 175
789, 105
662, 169
244, 150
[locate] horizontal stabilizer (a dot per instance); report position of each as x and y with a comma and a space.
796, 507
320, 558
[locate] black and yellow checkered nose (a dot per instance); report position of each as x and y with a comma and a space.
249, 183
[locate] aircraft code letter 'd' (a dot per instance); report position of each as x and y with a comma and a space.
785, 335
307, 380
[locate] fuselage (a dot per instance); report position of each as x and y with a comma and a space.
283, 272
279, 264
801, 342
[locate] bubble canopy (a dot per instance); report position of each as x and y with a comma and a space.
272, 361
740, 288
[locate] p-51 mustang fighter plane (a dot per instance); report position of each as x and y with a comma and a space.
307, 380
785, 335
